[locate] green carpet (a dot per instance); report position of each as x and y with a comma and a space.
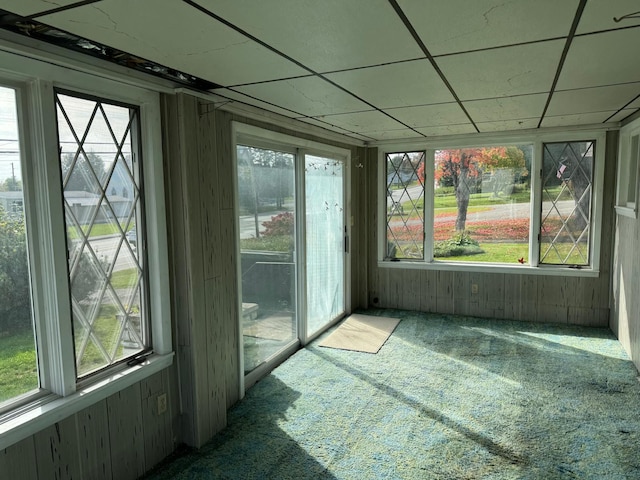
446, 397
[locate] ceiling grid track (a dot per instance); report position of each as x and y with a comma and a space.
294, 61
62, 9
623, 107
563, 57
425, 50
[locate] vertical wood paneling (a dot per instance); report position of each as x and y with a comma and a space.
444, 290
370, 167
359, 242
216, 356
383, 287
410, 289
553, 298
428, 297
228, 313
94, 444
512, 296
462, 293
529, 298
208, 198
56, 450
126, 435
158, 441
176, 217
225, 160
19, 461
492, 295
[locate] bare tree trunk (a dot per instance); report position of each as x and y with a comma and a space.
462, 197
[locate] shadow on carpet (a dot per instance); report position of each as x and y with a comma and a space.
446, 397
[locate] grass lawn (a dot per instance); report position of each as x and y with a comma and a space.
124, 278
18, 369
268, 243
98, 230
495, 253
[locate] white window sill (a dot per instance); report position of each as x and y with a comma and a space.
627, 211
491, 268
51, 409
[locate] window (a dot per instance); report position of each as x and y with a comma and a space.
103, 214
83, 295
566, 203
405, 205
525, 203
18, 361
628, 164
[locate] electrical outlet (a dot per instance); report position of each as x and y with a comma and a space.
474, 288
162, 403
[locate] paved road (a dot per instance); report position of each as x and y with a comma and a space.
503, 212
248, 223
107, 246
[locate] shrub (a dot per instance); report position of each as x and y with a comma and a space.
281, 224
460, 244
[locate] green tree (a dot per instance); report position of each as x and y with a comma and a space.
11, 184
86, 169
15, 299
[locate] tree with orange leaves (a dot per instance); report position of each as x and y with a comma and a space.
461, 165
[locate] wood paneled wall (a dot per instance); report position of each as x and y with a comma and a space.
118, 438
199, 219
625, 305
573, 300
200, 185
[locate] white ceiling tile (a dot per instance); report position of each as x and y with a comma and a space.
576, 119
599, 14
430, 115
32, 7
594, 99
400, 134
176, 35
622, 114
311, 96
507, 125
397, 85
602, 59
503, 72
327, 35
256, 103
333, 128
363, 121
442, 130
506, 108
461, 25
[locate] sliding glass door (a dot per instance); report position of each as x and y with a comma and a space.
266, 210
291, 226
325, 242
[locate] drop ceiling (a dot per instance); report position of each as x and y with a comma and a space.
383, 69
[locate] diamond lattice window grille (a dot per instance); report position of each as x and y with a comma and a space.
567, 189
405, 205
103, 213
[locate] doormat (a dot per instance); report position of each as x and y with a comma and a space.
361, 333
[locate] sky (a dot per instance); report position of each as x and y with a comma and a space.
9, 148
99, 140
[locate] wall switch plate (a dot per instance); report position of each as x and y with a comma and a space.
162, 403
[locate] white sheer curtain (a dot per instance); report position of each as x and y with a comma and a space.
324, 195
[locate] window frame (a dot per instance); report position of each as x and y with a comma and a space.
537, 140
626, 165
61, 393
